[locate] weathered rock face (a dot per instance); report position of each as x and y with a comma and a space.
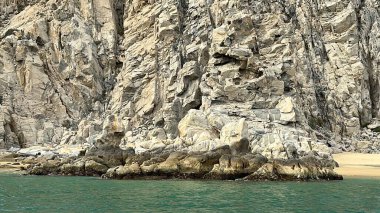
279, 78
219, 164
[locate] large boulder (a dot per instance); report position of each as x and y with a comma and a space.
308, 168
195, 128
286, 108
93, 168
197, 165
111, 154
171, 164
236, 135
74, 168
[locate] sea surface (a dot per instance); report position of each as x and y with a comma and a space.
87, 194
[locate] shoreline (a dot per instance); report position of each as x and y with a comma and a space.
224, 163
358, 165
10, 164
12, 170
351, 165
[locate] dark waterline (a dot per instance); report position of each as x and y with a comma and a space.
86, 194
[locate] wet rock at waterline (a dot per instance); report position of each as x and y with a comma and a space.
219, 164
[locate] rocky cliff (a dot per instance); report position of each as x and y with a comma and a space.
280, 78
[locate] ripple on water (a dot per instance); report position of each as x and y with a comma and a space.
84, 194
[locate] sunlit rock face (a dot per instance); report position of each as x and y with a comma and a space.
278, 78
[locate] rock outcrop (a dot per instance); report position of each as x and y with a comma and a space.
218, 164
281, 79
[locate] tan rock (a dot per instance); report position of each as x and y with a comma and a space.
86, 73
234, 132
195, 127
286, 108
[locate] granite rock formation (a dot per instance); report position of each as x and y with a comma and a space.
218, 164
280, 78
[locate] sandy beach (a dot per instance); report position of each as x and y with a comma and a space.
11, 167
358, 164
9, 164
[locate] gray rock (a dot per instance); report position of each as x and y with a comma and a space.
158, 75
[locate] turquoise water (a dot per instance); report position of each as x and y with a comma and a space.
86, 194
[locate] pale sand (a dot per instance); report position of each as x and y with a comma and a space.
12, 167
358, 164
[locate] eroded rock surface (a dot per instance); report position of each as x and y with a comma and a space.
282, 79
219, 164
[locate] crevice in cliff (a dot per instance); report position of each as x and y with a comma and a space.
212, 21
19, 135
320, 95
119, 7
182, 9
373, 85
364, 28
54, 77
317, 52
